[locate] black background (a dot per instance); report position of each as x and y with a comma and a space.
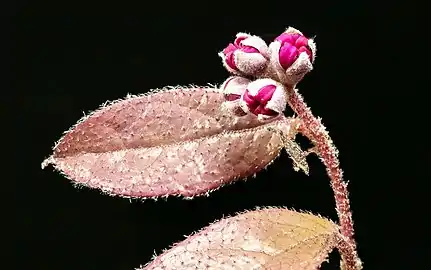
69, 60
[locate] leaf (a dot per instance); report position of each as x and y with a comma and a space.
171, 142
271, 238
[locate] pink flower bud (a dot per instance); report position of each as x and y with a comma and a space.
292, 55
234, 87
248, 55
265, 98
232, 90
292, 45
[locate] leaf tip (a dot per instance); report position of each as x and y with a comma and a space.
46, 162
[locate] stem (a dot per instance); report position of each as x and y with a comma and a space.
316, 131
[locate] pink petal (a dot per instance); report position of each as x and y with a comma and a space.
249, 49
230, 48
248, 98
265, 94
232, 97
230, 60
307, 50
239, 39
301, 41
256, 104
287, 55
288, 38
262, 110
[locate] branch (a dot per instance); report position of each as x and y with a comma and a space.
316, 132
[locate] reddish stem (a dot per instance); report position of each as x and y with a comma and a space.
315, 130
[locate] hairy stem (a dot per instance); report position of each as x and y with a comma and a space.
316, 132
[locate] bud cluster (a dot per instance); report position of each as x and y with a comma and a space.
262, 72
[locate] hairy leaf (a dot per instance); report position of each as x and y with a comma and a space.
170, 142
272, 238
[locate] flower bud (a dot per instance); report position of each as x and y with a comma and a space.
292, 56
234, 87
265, 98
232, 90
248, 55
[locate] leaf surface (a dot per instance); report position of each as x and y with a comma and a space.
171, 142
271, 238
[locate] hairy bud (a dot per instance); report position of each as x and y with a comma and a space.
234, 87
292, 56
248, 55
265, 98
